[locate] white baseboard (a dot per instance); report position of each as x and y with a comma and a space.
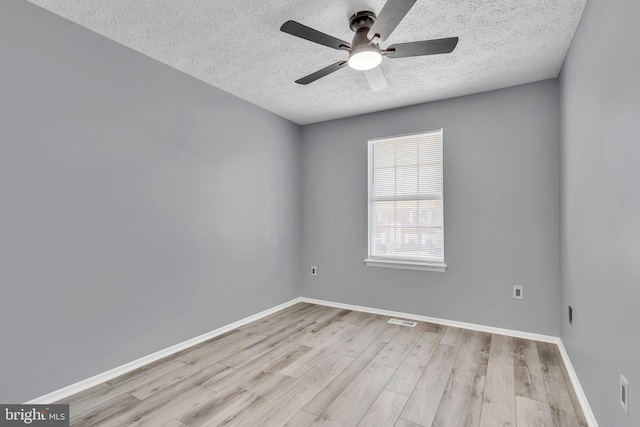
115, 372
582, 398
123, 369
454, 323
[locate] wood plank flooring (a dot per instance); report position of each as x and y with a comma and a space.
310, 365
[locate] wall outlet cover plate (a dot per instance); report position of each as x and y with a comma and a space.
624, 394
518, 292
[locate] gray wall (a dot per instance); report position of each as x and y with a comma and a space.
501, 190
600, 93
139, 207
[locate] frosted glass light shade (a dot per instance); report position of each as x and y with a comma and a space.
365, 59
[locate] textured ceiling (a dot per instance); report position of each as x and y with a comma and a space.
237, 46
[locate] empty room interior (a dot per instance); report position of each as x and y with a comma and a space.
358, 213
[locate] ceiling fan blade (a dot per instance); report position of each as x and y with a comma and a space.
376, 79
321, 73
389, 18
426, 47
296, 29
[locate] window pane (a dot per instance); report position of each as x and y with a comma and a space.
431, 243
384, 214
384, 182
384, 154
430, 213
430, 179
407, 152
407, 180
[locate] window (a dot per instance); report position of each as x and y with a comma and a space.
406, 219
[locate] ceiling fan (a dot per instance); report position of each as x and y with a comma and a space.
364, 50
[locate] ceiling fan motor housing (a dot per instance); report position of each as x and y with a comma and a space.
364, 55
363, 19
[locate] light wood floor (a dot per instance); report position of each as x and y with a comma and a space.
311, 365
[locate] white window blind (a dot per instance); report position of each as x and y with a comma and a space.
406, 221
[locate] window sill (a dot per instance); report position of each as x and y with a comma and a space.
406, 265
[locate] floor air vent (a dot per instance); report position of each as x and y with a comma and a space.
402, 322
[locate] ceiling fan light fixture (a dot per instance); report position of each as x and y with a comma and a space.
364, 50
365, 58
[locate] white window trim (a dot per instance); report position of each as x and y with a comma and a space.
396, 263
406, 265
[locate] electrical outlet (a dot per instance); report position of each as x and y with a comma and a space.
314, 270
624, 394
517, 292
570, 315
